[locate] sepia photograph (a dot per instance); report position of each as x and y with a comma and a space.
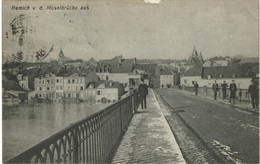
130, 81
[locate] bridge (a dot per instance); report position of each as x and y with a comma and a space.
91, 140
104, 137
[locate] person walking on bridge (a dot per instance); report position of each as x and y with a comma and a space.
196, 86
143, 92
233, 89
253, 90
215, 90
224, 89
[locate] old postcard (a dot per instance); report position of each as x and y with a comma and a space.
130, 81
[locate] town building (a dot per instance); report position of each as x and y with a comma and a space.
235, 72
23, 81
74, 86
192, 75
167, 78
9, 99
91, 91
150, 73
109, 91
116, 69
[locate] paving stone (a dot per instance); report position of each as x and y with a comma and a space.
148, 138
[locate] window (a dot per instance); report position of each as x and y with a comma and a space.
234, 75
40, 82
48, 88
220, 75
40, 88
57, 80
57, 87
81, 88
98, 93
48, 81
69, 95
209, 77
69, 81
192, 82
73, 81
60, 87
185, 81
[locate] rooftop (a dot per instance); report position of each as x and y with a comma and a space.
166, 71
196, 70
149, 68
230, 71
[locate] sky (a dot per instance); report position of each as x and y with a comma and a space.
167, 29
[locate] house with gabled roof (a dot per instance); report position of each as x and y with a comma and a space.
116, 69
150, 73
192, 75
109, 91
241, 74
167, 78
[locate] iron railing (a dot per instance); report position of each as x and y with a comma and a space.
91, 140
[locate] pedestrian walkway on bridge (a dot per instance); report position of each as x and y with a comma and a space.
149, 138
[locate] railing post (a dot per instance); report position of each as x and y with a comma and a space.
75, 147
133, 103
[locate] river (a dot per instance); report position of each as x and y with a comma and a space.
25, 126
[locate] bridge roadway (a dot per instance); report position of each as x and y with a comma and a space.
149, 138
230, 131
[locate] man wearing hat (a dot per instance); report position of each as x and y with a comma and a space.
233, 89
224, 89
215, 89
196, 86
253, 90
143, 92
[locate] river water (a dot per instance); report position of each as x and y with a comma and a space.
25, 126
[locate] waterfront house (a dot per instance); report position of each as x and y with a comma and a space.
9, 99
23, 81
116, 69
74, 86
91, 89
109, 91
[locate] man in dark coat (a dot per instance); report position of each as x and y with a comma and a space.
233, 89
224, 89
143, 92
215, 89
196, 86
253, 90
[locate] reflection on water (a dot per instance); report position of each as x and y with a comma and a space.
26, 126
